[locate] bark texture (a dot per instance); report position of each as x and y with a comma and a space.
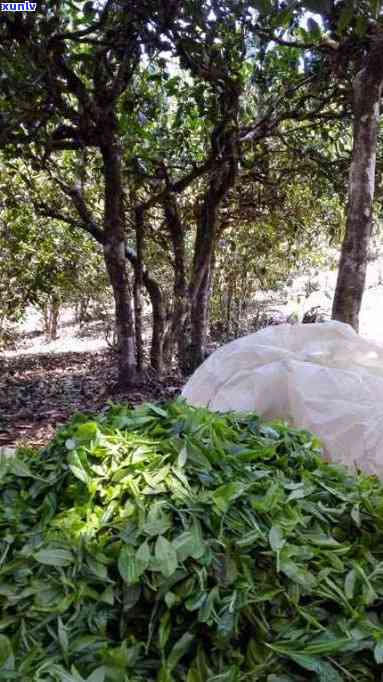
138, 285
175, 334
204, 250
115, 259
51, 313
367, 93
224, 144
157, 303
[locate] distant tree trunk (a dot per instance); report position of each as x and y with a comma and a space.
204, 252
54, 319
45, 313
138, 284
115, 259
116, 267
199, 321
175, 336
156, 300
229, 307
367, 92
225, 147
157, 345
51, 313
82, 307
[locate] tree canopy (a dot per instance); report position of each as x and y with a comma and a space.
203, 148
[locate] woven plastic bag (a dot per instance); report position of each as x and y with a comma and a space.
324, 378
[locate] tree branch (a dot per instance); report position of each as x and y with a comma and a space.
179, 185
49, 212
83, 211
75, 35
125, 71
75, 86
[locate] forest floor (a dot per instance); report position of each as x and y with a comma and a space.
43, 383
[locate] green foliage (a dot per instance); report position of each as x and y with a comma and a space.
256, 91
285, 228
346, 15
173, 544
42, 260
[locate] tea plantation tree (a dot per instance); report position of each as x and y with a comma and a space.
348, 37
362, 37
90, 81
64, 72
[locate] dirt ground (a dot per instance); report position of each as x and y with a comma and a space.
40, 391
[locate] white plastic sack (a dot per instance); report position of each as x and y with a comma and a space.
320, 377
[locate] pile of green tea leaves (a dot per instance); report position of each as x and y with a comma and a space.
172, 544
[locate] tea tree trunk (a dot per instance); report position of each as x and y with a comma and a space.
367, 92
116, 261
